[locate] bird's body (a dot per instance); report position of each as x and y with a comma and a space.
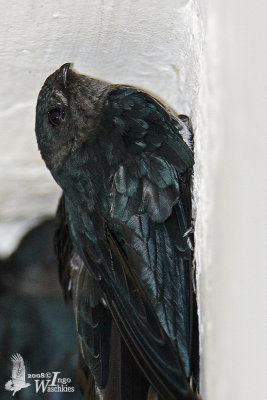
124, 241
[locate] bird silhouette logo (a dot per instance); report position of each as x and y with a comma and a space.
17, 382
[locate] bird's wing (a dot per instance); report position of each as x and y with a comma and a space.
147, 269
63, 248
18, 367
92, 317
93, 322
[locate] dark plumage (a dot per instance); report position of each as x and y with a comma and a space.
122, 241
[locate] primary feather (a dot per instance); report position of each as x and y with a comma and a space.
123, 245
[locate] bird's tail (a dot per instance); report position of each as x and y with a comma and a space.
125, 382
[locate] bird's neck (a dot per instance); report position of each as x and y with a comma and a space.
84, 178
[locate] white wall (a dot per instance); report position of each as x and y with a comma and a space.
233, 252
158, 45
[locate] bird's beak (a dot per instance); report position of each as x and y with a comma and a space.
63, 70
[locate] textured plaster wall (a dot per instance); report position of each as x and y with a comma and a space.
152, 44
231, 225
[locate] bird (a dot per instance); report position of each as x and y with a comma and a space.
124, 237
17, 382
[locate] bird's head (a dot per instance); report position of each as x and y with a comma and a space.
67, 114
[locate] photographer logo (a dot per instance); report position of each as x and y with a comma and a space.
43, 381
17, 381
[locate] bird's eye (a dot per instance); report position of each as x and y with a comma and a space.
55, 116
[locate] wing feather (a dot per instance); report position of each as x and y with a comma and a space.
92, 317
135, 241
152, 232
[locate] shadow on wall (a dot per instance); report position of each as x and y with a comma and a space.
35, 322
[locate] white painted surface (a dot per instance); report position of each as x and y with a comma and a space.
232, 207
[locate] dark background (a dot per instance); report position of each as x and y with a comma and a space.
35, 321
